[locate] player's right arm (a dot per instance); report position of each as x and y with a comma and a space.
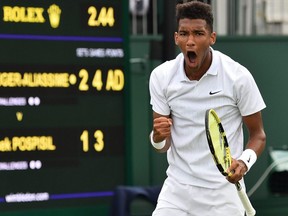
161, 134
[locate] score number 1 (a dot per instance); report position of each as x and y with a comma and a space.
99, 140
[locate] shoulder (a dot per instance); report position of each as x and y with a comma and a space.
230, 67
225, 59
168, 68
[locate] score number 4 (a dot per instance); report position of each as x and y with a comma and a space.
99, 140
104, 17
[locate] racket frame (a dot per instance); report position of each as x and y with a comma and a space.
250, 211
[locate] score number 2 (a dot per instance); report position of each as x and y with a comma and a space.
104, 17
99, 140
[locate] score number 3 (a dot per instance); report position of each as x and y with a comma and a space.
104, 17
99, 140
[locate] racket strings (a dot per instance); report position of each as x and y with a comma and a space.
226, 151
222, 155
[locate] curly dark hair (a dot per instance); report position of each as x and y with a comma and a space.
195, 10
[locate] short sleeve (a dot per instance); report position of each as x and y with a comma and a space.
249, 98
157, 88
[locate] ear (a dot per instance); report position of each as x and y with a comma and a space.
176, 38
213, 38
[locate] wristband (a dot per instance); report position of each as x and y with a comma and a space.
249, 157
158, 145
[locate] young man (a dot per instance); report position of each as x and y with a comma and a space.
181, 90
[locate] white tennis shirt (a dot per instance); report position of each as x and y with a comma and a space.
227, 87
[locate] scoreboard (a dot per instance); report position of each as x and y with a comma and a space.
62, 101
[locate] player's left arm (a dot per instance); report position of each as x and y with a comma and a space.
255, 145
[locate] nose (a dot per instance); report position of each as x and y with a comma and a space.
191, 41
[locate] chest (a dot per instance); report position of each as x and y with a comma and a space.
188, 101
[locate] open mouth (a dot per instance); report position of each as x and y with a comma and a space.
191, 55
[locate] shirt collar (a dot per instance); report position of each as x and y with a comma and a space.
213, 69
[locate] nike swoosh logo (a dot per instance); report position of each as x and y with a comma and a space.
249, 159
215, 92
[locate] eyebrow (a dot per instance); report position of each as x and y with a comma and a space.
194, 31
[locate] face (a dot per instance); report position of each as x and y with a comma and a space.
194, 39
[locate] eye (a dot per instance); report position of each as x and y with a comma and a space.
182, 33
199, 33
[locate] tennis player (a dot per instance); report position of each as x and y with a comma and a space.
181, 90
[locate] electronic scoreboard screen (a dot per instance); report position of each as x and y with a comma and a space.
62, 81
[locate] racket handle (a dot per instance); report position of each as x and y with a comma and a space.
250, 211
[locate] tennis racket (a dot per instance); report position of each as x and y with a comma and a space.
220, 151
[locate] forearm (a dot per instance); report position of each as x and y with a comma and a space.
253, 150
257, 138
257, 143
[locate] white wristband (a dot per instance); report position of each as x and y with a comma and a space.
249, 157
159, 145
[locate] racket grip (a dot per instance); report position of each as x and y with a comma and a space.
250, 211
